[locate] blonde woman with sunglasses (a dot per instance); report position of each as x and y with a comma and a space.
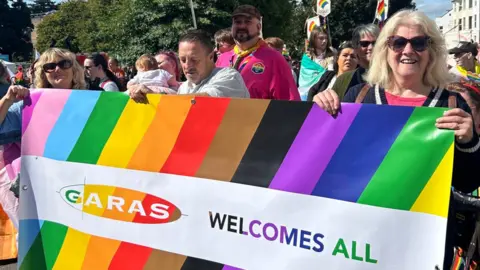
408, 69
56, 68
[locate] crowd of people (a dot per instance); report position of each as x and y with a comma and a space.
403, 64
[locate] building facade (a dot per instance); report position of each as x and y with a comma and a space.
461, 23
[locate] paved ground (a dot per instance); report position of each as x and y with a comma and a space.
8, 265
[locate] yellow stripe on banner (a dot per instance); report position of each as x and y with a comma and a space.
129, 131
73, 251
435, 196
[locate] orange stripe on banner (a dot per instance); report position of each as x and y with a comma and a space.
128, 196
100, 253
162, 134
232, 138
164, 260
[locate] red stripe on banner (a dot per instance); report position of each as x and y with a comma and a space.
130, 256
197, 133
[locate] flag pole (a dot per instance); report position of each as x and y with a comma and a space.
193, 14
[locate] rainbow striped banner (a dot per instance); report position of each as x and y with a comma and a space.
284, 146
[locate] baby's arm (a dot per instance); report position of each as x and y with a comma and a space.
172, 83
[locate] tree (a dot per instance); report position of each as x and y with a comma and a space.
70, 27
15, 29
345, 16
42, 6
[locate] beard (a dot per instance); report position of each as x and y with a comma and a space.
244, 36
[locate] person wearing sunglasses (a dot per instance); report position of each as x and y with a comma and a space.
96, 67
467, 68
408, 68
363, 39
56, 68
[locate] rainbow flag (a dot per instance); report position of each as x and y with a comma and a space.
286, 146
382, 10
323, 3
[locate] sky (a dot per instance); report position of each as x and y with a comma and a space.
434, 8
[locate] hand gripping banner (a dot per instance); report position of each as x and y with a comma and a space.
218, 183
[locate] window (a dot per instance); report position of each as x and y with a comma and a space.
464, 23
460, 6
475, 21
470, 3
460, 24
470, 22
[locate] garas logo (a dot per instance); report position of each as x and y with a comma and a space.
120, 204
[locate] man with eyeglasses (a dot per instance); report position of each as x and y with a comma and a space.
363, 39
467, 68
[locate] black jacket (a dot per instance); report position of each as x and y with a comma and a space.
321, 85
467, 156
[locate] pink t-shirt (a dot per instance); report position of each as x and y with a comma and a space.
404, 101
265, 72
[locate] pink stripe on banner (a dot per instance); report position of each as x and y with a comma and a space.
312, 149
48, 109
28, 106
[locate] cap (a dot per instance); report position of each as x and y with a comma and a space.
464, 47
247, 10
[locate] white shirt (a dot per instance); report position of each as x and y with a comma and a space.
222, 82
158, 77
108, 85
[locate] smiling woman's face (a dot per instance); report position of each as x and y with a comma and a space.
60, 78
407, 62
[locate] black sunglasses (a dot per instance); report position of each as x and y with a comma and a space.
398, 43
366, 43
50, 67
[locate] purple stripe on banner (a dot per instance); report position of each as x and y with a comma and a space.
312, 149
28, 106
226, 267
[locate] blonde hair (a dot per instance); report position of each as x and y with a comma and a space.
51, 55
436, 73
146, 62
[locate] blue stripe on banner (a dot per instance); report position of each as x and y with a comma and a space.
70, 124
361, 151
29, 229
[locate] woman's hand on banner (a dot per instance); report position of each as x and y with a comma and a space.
459, 121
328, 100
16, 93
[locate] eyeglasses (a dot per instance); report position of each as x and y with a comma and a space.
50, 67
398, 43
366, 43
459, 55
87, 67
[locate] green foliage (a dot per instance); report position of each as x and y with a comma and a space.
15, 27
128, 28
345, 16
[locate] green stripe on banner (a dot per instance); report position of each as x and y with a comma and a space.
402, 175
46, 247
98, 128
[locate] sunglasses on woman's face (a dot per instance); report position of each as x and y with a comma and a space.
50, 67
366, 43
398, 43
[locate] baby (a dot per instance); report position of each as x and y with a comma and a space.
157, 80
